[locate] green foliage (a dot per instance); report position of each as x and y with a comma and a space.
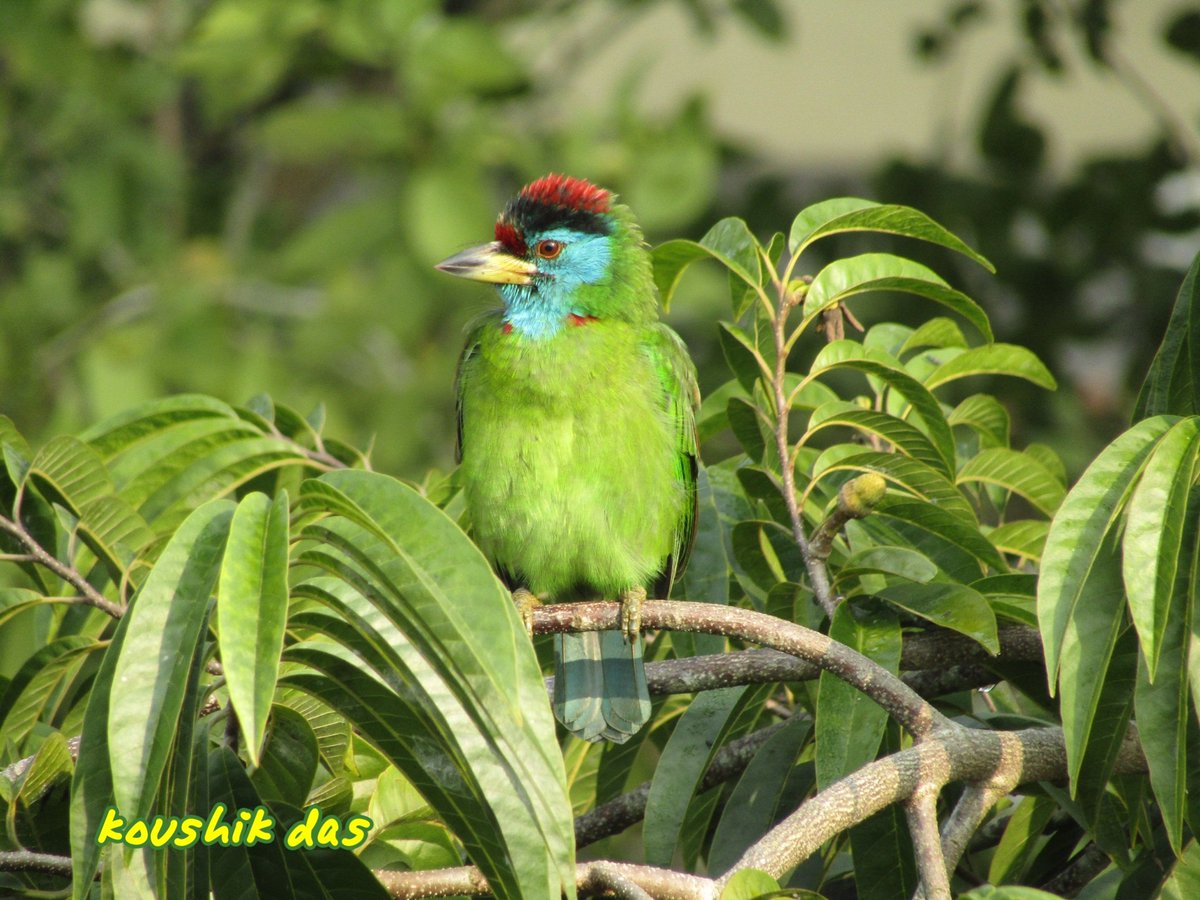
371, 664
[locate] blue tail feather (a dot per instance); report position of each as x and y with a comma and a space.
600, 685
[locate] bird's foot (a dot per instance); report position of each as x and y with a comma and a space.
526, 602
631, 613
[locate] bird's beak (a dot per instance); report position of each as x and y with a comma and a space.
491, 263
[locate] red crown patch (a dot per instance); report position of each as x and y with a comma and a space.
572, 193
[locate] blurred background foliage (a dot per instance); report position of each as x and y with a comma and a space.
239, 196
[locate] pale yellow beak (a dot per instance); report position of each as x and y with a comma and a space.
491, 263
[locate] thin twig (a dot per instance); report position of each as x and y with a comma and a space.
89, 594
28, 861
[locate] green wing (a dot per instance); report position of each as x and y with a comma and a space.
469, 350
681, 397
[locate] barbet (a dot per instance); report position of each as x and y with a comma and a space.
576, 434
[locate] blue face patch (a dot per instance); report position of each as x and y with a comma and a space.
538, 310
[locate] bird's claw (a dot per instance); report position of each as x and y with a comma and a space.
631, 613
526, 602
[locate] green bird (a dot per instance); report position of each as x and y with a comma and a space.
577, 434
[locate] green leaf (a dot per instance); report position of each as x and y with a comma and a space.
937, 533
849, 724
985, 415
69, 472
884, 868
462, 638
1022, 537
747, 427
1183, 881
120, 432
92, 785
1016, 472
847, 354
749, 884
729, 241
166, 620
1080, 588
953, 606
1007, 892
754, 805
844, 214
902, 562
1153, 546
289, 758
902, 435
938, 333
1021, 836
904, 473
684, 760
741, 355
252, 609
992, 359
1162, 708
1172, 385
844, 278
34, 692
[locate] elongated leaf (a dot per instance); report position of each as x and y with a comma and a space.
420, 571
33, 692
852, 214
1077, 549
1096, 718
1020, 838
753, 807
849, 354
252, 609
749, 884
69, 472
729, 241
943, 528
1016, 472
289, 758
938, 332
1173, 383
849, 725
684, 761
902, 435
844, 278
114, 531
742, 356
124, 429
1022, 537
1162, 708
92, 785
166, 620
900, 561
1153, 547
909, 475
986, 416
1183, 881
953, 606
992, 359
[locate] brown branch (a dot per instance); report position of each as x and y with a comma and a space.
958, 754
28, 861
897, 698
89, 595
590, 879
921, 811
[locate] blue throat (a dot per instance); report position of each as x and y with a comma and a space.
540, 310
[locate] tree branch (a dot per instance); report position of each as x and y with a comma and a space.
897, 698
88, 594
28, 861
921, 811
958, 754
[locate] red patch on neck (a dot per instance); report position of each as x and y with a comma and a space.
511, 239
506, 328
573, 319
573, 193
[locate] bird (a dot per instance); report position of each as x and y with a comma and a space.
576, 434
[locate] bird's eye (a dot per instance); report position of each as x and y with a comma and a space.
549, 249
